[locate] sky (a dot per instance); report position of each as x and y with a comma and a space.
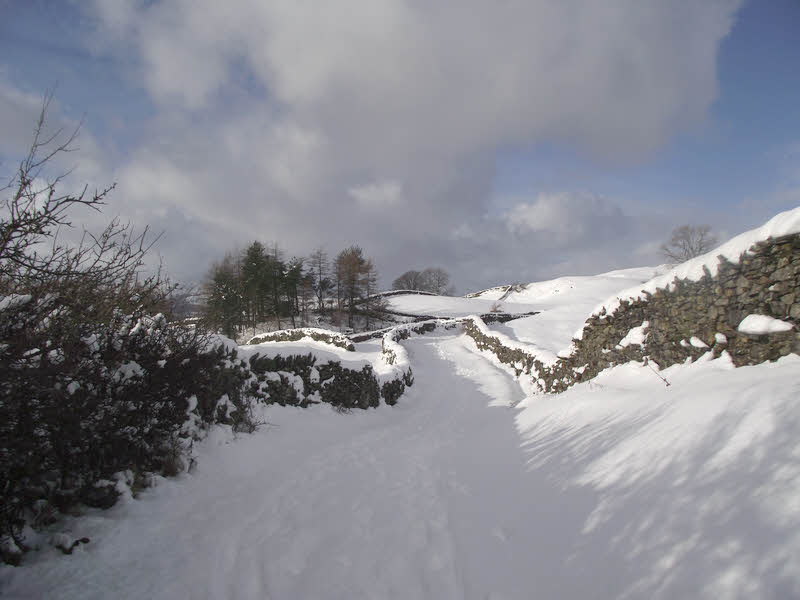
506, 141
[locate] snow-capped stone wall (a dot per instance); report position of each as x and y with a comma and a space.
690, 317
305, 333
681, 321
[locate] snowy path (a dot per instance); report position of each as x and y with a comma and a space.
416, 501
619, 488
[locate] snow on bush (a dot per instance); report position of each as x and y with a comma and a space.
88, 392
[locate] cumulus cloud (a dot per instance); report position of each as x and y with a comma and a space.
276, 116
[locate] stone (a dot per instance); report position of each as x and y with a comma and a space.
794, 311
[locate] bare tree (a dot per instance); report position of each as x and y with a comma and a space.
369, 280
32, 256
319, 267
435, 280
350, 267
688, 241
410, 280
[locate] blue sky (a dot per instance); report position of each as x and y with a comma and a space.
745, 151
517, 141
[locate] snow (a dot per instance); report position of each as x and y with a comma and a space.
325, 352
696, 342
784, 223
763, 324
635, 336
451, 306
692, 489
564, 304
618, 488
307, 333
14, 300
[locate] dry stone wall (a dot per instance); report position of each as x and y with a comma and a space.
683, 322
295, 335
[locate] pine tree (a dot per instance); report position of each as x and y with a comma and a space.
254, 265
225, 302
319, 268
292, 279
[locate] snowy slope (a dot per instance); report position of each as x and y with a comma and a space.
784, 223
563, 305
450, 306
619, 488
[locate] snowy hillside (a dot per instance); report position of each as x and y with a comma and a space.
451, 306
563, 305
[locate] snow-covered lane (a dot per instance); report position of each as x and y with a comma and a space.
618, 488
414, 501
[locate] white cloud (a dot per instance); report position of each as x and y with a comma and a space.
567, 214
611, 76
379, 195
267, 112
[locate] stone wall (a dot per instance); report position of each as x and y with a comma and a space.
681, 323
302, 333
393, 353
299, 380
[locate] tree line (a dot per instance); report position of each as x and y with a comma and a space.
260, 284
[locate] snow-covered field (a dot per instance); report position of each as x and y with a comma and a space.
452, 306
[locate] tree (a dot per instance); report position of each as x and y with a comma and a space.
275, 279
307, 295
226, 298
318, 268
253, 284
410, 280
372, 303
356, 279
435, 280
293, 277
350, 264
688, 241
